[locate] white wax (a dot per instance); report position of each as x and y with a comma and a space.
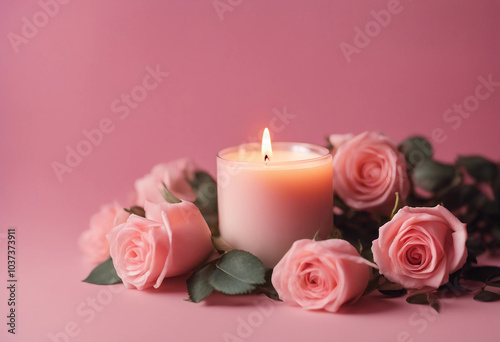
265, 206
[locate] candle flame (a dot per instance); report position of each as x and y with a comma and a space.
267, 150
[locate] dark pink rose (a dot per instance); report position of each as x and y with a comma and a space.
368, 170
321, 274
93, 241
420, 247
172, 240
174, 175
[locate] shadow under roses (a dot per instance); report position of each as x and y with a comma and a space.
169, 286
370, 304
373, 303
222, 300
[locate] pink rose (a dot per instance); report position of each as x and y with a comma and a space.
420, 247
171, 240
321, 274
93, 241
174, 175
368, 170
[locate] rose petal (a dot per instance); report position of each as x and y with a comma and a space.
321, 274
368, 171
420, 247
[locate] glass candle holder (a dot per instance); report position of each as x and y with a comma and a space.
267, 204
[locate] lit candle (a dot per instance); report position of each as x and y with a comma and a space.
272, 195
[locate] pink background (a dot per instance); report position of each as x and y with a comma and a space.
228, 76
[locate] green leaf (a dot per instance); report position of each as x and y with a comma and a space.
197, 284
416, 150
391, 289
479, 168
212, 222
269, 291
493, 283
338, 202
227, 284
243, 265
268, 288
335, 234
429, 298
103, 274
420, 298
393, 293
167, 195
389, 285
373, 284
220, 244
487, 296
205, 188
329, 145
433, 176
367, 253
136, 210
482, 273
237, 272
496, 188
458, 196
471, 259
433, 301
475, 246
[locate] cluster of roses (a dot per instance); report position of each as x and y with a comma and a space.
155, 239
417, 248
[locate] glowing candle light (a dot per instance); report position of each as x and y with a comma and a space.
271, 195
267, 150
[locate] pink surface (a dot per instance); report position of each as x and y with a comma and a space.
220, 80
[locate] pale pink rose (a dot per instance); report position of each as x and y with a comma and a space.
93, 241
368, 170
420, 247
174, 175
321, 274
339, 139
172, 240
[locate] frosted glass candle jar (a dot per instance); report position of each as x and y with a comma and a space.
266, 205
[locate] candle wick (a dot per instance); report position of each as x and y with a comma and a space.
266, 158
